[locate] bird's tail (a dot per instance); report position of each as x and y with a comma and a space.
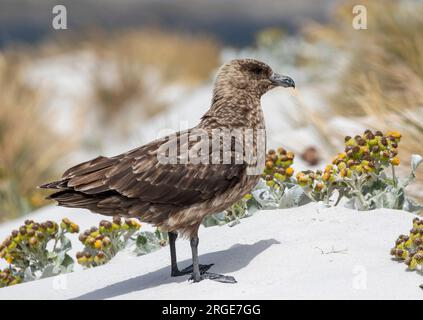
52, 185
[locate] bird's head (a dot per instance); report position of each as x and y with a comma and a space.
253, 76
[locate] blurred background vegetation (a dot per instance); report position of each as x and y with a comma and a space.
124, 70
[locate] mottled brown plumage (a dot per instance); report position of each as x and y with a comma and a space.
176, 197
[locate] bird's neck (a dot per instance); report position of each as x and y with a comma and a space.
233, 109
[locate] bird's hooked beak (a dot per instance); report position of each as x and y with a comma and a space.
282, 81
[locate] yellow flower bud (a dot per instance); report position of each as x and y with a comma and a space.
413, 264
289, 171
248, 196
351, 142
97, 244
106, 242
342, 165
394, 134
82, 260
269, 164
9, 259
270, 183
74, 228
395, 161
33, 242
279, 176
290, 155
329, 167
319, 186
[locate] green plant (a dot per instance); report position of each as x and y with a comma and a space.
9, 277
102, 243
147, 241
359, 174
409, 248
242, 209
37, 250
275, 189
380, 80
278, 168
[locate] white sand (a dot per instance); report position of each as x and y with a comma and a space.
307, 252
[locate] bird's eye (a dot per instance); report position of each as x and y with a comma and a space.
257, 70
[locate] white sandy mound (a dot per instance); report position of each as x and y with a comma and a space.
307, 252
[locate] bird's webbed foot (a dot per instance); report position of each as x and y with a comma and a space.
189, 270
213, 276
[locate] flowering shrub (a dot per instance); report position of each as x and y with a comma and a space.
102, 243
410, 248
239, 210
37, 250
276, 189
278, 168
9, 277
359, 174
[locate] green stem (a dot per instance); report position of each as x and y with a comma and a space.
353, 185
394, 177
57, 238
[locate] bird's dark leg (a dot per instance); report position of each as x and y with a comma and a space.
196, 276
174, 262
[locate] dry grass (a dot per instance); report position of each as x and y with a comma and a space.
139, 56
383, 81
140, 61
27, 146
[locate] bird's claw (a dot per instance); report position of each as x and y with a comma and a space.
213, 276
189, 270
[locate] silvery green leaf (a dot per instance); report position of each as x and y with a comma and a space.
393, 200
234, 223
28, 275
266, 198
412, 206
378, 202
161, 235
65, 244
354, 203
50, 271
293, 197
350, 204
261, 185
252, 209
51, 255
146, 242
67, 262
141, 240
147, 248
214, 220
220, 216
416, 160
61, 256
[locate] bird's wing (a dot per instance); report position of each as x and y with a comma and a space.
139, 174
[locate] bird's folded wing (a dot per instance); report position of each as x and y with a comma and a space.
138, 174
